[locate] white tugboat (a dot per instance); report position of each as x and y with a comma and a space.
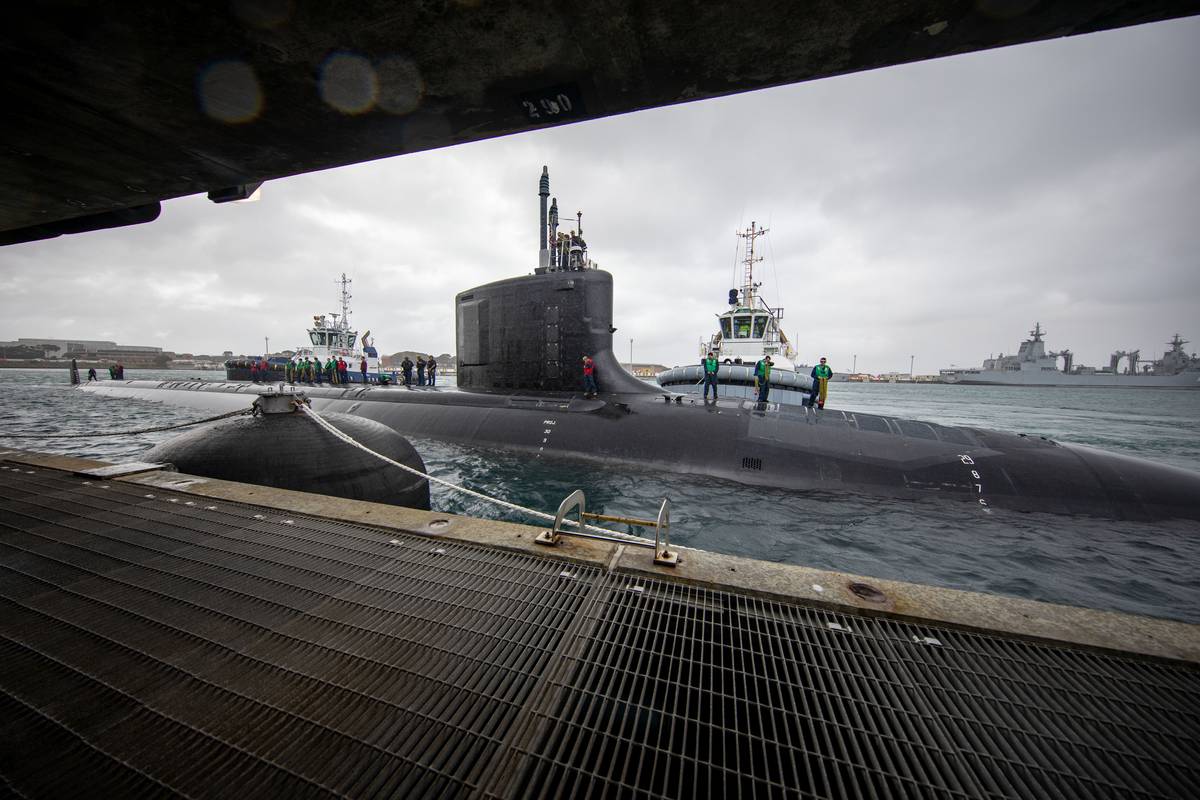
1033, 366
748, 331
330, 337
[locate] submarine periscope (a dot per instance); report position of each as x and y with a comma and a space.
520, 343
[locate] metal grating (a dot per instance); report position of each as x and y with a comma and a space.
158, 643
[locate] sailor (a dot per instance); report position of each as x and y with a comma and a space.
343, 370
363, 368
431, 365
589, 377
420, 370
762, 378
92, 374
406, 366
710, 366
821, 374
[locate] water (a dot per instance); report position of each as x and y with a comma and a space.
1141, 568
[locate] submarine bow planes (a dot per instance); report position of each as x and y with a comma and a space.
521, 342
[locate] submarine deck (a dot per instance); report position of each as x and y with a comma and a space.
167, 634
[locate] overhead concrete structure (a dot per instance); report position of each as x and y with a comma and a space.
114, 107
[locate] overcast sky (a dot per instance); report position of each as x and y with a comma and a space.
936, 209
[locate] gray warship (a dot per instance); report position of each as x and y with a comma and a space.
1034, 366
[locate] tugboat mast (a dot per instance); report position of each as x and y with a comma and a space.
344, 283
748, 286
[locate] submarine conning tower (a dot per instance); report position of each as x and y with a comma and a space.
531, 333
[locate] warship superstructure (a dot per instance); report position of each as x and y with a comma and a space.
1033, 365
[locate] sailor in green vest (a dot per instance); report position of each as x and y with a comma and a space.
821, 374
710, 366
762, 378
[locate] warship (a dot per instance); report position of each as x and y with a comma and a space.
1034, 366
520, 344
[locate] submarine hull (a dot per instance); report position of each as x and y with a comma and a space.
520, 343
764, 445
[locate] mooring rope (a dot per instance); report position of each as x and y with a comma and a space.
138, 432
327, 425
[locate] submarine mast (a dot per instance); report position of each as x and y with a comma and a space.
543, 194
748, 285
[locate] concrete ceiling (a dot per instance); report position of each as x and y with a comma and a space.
111, 107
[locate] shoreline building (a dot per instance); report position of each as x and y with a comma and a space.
86, 350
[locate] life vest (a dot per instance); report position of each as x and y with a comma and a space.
710, 365
588, 367
823, 371
763, 369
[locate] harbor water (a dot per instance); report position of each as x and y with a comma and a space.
1135, 567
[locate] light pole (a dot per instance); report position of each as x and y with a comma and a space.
911, 359
854, 369
631, 355
266, 346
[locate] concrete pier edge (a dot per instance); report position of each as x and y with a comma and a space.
1111, 632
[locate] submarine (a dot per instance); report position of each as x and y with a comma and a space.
521, 342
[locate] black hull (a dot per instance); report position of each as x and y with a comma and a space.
778, 446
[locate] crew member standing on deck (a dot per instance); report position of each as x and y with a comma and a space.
420, 370
431, 365
406, 366
762, 378
589, 377
821, 374
710, 366
363, 368
91, 374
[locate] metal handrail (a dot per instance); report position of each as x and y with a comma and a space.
575, 500
663, 554
578, 502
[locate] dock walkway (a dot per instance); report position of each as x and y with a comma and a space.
161, 636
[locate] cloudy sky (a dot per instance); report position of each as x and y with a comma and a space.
936, 209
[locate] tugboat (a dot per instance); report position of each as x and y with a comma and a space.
329, 337
749, 330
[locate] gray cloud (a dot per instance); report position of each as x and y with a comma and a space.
935, 209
